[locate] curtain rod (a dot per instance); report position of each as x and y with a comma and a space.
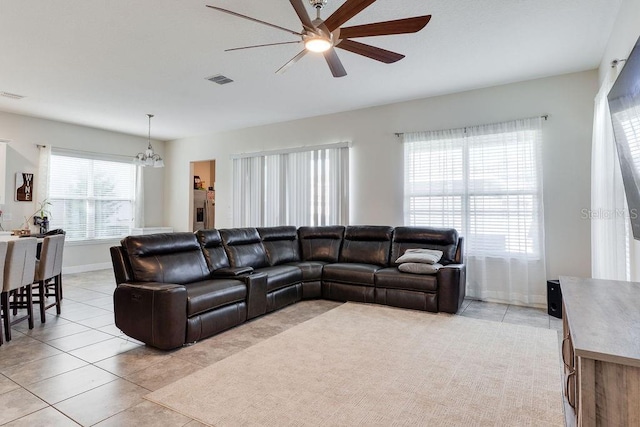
291, 150
544, 116
615, 62
92, 155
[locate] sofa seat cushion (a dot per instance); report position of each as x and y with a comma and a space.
391, 278
281, 276
209, 294
311, 270
353, 273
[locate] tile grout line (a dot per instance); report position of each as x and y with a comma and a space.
505, 313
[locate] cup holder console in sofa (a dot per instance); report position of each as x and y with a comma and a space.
179, 288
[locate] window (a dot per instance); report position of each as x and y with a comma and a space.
92, 198
486, 182
483, 181
309, 186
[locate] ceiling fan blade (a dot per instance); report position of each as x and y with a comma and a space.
260, 45
293, 60
254, 20
301, 11
348, 10
335, 65
372, 52
400, 26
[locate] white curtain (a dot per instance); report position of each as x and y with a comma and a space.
486, 182
299, 187
609, 224
247, 191
274, 190
299, 182
44, 171
138, 214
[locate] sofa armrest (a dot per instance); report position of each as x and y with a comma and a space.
256, 294
452, 287
256, 287
232, 272
121, 267
151, 312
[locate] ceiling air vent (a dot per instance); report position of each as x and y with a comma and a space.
220, 79
11, 95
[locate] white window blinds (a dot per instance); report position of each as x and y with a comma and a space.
486, 182
299, 187
92, 198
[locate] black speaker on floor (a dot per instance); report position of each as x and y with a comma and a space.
554, 299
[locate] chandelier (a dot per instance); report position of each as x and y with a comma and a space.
149, 158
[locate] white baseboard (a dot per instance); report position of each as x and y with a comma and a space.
86, 267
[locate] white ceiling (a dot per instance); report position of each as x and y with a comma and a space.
106, 63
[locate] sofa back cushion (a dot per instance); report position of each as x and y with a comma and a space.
367, 244
212, 248
168, 258
321, 243
442, 239
280, 244
244, 247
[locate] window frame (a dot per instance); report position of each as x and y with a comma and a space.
91, 198
464, 213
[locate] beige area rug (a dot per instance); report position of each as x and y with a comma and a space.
374, 365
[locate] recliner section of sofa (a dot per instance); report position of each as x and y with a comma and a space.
171, 298
318, 246
178, 288
422, 292
245, 248
220, 268
364, 251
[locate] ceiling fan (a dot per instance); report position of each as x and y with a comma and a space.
324, 35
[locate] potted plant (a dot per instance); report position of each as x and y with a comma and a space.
40, 217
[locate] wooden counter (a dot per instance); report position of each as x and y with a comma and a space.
601, 351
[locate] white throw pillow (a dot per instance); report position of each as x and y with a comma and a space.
424, 256
419, 268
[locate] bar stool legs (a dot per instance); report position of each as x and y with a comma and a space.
51, 289
7, 305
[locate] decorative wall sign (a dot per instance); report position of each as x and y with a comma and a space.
24, 187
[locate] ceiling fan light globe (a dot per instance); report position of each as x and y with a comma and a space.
317, 44
318, 4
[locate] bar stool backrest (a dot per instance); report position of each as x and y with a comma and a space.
20, 263
50, 264
3, 257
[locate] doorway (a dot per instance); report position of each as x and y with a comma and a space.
203, 194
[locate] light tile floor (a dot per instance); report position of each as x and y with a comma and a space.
79, 369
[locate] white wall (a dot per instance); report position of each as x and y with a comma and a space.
376, 174
22, 156
624, 35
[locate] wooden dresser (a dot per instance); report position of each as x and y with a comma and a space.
601, 352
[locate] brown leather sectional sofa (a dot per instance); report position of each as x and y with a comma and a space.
179, 288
